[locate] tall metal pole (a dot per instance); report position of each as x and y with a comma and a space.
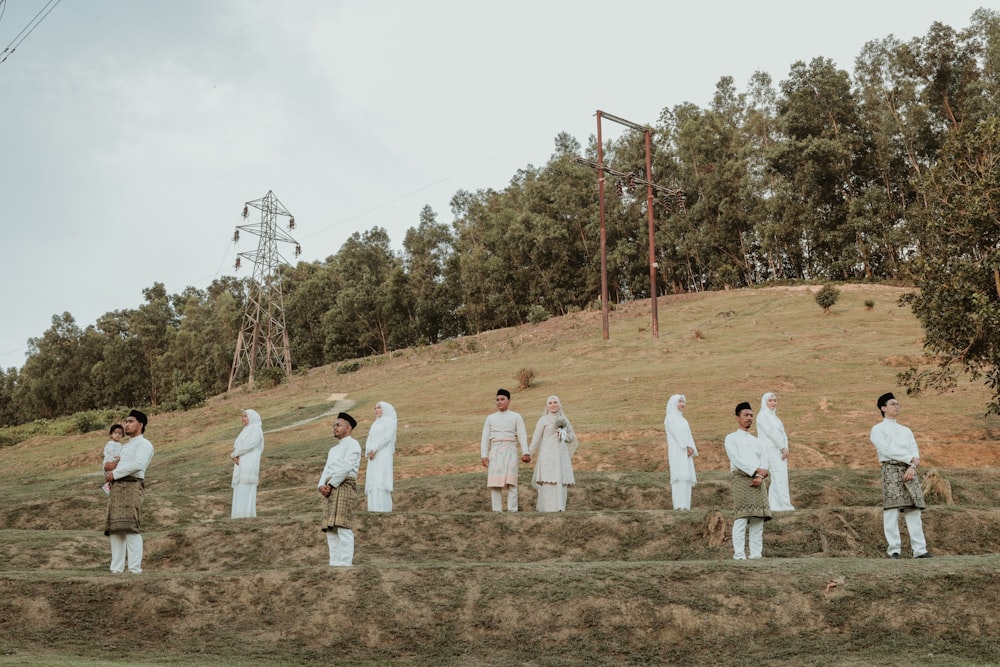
652, 238
263, 340
605, 331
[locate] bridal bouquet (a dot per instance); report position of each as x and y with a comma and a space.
562, 429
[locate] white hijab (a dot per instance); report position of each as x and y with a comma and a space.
252, 435
382, 434
769, 424
676, 426
554, 417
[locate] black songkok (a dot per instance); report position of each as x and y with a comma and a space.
741, 407
139, 417
503, 392
883, 399
348, 418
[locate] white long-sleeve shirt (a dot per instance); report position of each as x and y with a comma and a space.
342, 462
745, 452
136, 456
507, 425
894, 442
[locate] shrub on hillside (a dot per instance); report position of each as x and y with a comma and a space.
537, 314
827, 296
524, 378
189, 395
348, 367
270, 377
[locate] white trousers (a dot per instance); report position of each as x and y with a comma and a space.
496, 498
551, 497
680, 493
126, 546
756, 537
914, 526
341, 543
379, 500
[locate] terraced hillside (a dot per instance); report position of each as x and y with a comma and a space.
618, 579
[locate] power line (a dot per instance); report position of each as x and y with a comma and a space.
30, 28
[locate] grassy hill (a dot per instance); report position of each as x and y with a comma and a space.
618, 579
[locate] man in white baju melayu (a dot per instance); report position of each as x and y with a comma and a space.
681, 451
379, 447
502, 431
899, 456
339, 485
771, 432
127, 475
247, 450
748, 469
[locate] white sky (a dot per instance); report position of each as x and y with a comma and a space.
133, 131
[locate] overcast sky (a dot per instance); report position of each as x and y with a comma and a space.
133, 131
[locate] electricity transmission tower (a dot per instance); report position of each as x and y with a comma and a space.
263, 339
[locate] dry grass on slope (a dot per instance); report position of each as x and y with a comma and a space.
619, 579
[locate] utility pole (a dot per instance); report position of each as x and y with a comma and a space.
650, 186
263, 339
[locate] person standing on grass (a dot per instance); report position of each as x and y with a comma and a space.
748, 468
899, 456
123, 524
379, 447
112, 452
681, 451
247, 450
771, 432
552, 445
502, 431
339, 485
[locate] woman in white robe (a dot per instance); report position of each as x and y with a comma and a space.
771, 432
246, 455
379, 448
681, 451
553, 445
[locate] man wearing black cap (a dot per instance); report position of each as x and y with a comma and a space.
748, 470
498, 452
899, 456
123, 524
339, 485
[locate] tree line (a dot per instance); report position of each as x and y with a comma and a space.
891, 173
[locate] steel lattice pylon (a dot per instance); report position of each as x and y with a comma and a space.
263, 339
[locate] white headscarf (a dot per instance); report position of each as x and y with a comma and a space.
382, 434
677, 427
769, 425
554, 417
252, 435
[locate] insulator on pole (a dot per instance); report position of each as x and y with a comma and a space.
236, 236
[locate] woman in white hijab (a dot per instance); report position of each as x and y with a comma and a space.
553, 445
246, 454
681, 451
379, 447
771, 432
